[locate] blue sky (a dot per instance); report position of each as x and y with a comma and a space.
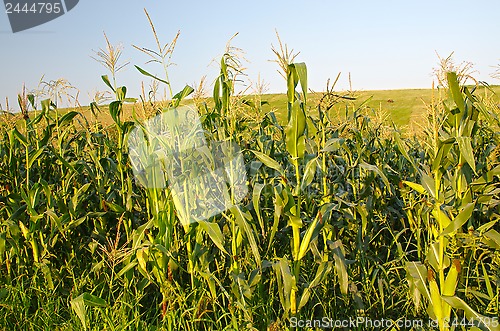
383, 44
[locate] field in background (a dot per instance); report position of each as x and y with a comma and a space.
404, 107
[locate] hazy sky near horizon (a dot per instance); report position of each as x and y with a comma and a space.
382, 44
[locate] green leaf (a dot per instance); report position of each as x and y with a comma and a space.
333, 145
216, 95
66, 164
456, 93
492, 239
292, 81
77, 197
268, 161
142, 258
306, 240
444, 149
487, 282
460, 220
31, 99
487, 226
441, 217
47, 274
214, 232
340, 265
19, 136
294, 132
309, 173
432, 257
115, 109
121, 93
115, 207
417, 187
93, 301
470, 313
465, 146
145, 73
126, 268
187, 90
67, 118
376, 170
301, 70
285, 280
45, 105
78, 307
39, 117
279, 207
79, 303
2, 245
257, 191
416, 272
33, 156
240, 218
403, 149
321, 273
107, 82
428, 183
139, 234
76, 222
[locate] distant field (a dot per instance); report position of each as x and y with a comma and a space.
404, 106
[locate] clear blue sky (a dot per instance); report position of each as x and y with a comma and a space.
383, 44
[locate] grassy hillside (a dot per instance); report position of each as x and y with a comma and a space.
404, 107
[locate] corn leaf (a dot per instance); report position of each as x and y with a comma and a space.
460, 220
454, 88
257, 191
306, 240
240, 218
321, 273
214, 232
417, 273
417, 187
492, 239
294, 131
33, 156
301, 70
105, 79
470, 313
441, 217
340, 265
145, 73
309, 173
465, 146
333, 145
376, 170
428, 183
268, 161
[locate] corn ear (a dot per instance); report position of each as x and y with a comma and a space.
142, 258
293, 300
450, 285
436, 300
304, 245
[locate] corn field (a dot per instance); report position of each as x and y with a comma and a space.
345, 217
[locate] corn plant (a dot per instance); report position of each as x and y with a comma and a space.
451, 201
